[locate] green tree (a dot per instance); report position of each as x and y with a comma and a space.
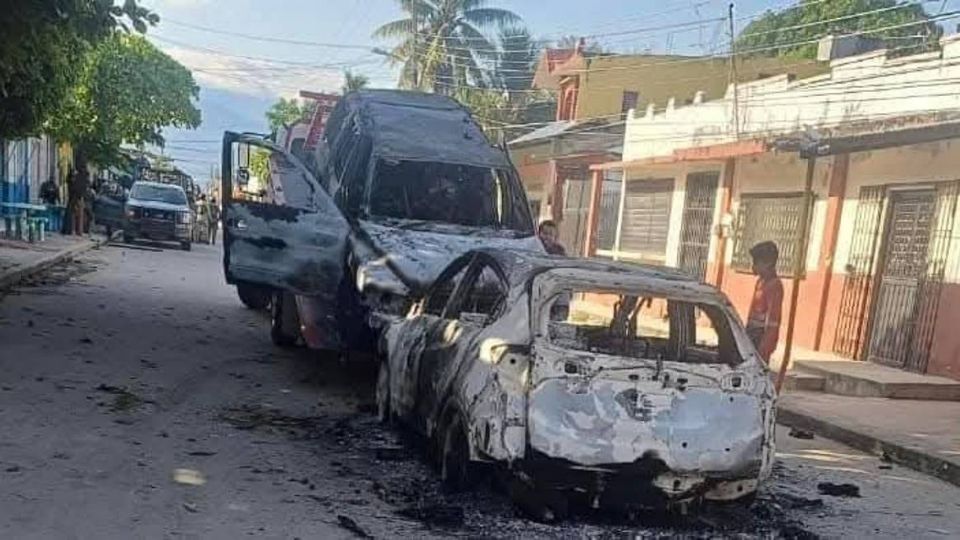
353, 82
801, 25
44, 44
591, 46
442, 44
284, 112
127, 92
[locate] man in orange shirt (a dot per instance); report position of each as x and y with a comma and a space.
763, 321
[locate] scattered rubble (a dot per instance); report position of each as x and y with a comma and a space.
351, 525
838, 490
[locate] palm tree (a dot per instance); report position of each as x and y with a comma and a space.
353, 81
442, 45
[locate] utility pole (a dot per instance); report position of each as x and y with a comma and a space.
733, 74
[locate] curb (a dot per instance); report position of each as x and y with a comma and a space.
911, 458
16, 275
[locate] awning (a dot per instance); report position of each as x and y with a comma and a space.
714, 152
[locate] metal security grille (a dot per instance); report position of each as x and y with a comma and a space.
858, 283
902, 269
768, 217
698, 210
646, 217
576, 206
912, 266
609, 211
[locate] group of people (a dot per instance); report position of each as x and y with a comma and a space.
79, 201
766, 305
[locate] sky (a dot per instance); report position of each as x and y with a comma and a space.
240, 77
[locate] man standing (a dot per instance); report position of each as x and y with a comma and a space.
763, 321
77, 187
548, 235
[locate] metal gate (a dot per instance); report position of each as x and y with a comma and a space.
697, 220
858, 283
911, 270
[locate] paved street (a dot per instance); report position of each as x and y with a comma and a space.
139, 399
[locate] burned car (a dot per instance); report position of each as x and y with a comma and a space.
594, 383
401, 184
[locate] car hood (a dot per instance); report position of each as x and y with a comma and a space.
157, 205
418, 252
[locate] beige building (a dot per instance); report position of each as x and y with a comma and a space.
700, 184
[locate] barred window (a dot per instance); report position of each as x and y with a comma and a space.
773, 217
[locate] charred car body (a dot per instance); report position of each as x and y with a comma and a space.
591, 382
401, 185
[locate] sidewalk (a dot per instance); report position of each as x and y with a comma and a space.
922, 435
19, 260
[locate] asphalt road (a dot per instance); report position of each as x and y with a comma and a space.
139, 399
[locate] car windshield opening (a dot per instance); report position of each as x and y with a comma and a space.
649, 327
169, 195
448, 193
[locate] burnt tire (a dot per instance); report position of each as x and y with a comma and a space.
253, 297
457, 473
384, 414
185, 246
284, 327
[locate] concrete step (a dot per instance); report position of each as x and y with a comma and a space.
866, 379
803, 381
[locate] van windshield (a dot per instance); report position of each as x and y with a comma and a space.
448, 193
166, 194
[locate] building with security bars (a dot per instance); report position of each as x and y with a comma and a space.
878, 138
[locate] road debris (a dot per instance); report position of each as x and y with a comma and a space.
798, 433
838, 490
352, 526
446, 516
188, 477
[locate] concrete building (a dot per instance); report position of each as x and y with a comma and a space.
594, 93
700, 184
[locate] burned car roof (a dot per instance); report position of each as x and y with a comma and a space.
416, 126
521, 266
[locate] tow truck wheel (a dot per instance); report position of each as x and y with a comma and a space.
383, 392
456, 471
284, 326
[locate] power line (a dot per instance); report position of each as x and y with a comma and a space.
267, 38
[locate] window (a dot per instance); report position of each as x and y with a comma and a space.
630, 100
165, 194
485, 296
646, 217
448, 193
440, 295
763, 217
642, 327
609, 210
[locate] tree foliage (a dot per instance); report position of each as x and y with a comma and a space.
353, 82
42, 53
442, 44
591, 46
284, 112
799, 27
126, 93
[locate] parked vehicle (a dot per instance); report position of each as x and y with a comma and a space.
585, 381
158, 212
108, 206
403, 183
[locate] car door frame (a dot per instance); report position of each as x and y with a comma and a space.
434, 395
295, 246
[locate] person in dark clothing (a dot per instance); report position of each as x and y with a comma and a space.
548, 235
763, 320
78, 184
50, 193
